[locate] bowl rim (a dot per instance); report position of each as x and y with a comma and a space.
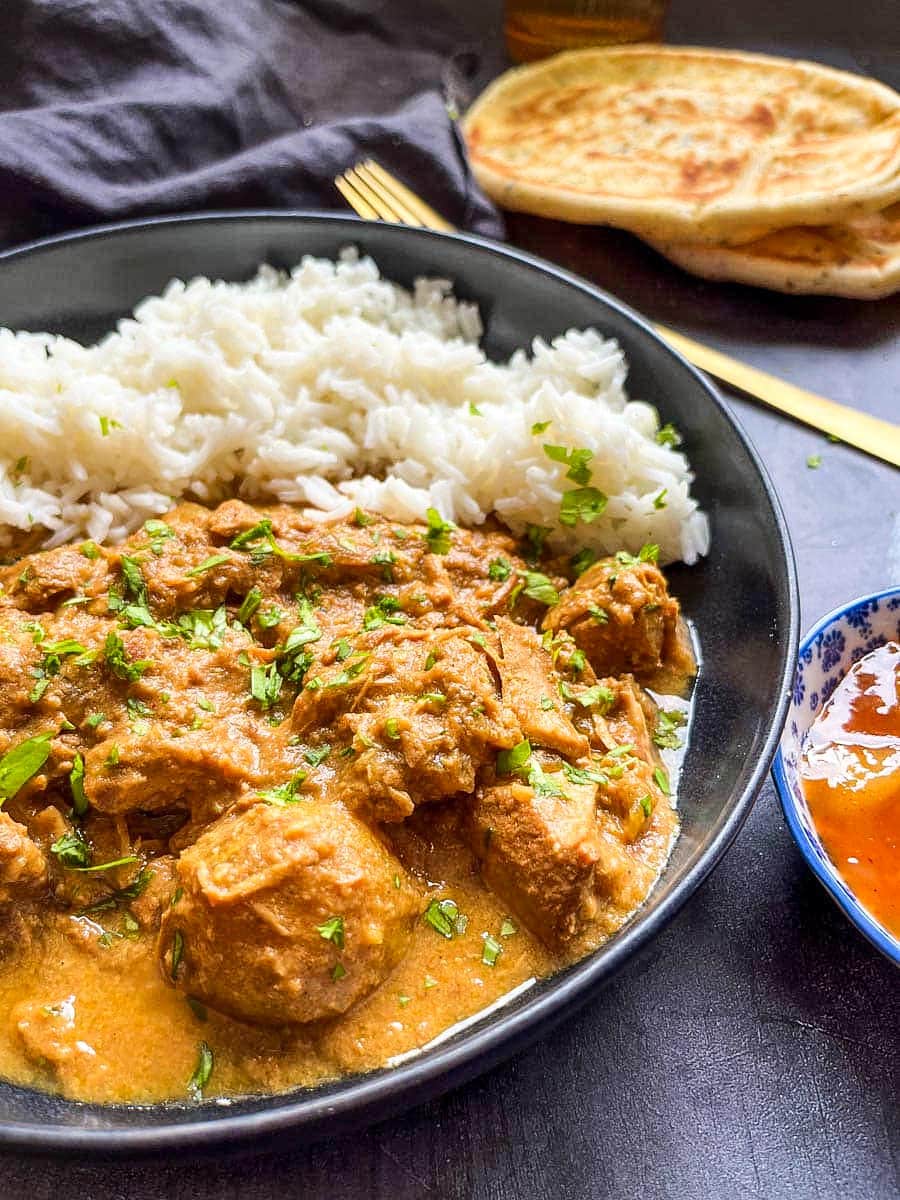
385, 1092
813, 852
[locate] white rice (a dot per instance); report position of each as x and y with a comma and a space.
329, 388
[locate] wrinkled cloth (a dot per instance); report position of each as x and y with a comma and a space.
112, 109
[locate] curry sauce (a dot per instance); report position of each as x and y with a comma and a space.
285, 800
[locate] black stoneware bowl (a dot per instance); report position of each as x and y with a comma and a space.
742, 600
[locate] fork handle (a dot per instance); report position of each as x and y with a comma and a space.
875, 436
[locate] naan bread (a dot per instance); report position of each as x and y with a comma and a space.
860, 259
686, 144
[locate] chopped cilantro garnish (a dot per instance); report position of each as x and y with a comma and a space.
445, 918
508, 928
600, 615
662, 781
249, 605
76, 783
118, 662
584, 775
361, 518
664, 734
284, 793
135, 587
158, 532
474, 410
539, 587
385, 559
384, 612
72, 850
585, 504
540, 427
814, 461
332, 930
647, 553
317, 756
265, 684
338, 971
215, 560
95, 719
576, 460
659, 500
546, 703
108, 423
646, 803
438, 533
202, 1071
499, 570
392, 728
490, 950
509, 762
668, 435
270, 618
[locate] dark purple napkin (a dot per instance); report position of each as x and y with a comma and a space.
120, 108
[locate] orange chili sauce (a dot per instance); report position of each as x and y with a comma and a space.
850, 774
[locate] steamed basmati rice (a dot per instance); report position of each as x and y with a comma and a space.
329, 388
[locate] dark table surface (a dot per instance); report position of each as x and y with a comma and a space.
754, 1052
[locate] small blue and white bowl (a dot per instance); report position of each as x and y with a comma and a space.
827, 652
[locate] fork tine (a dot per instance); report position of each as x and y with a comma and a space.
359, 205
399, 192
363, 178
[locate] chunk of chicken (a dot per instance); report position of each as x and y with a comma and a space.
538, 849
621, 615
286, 914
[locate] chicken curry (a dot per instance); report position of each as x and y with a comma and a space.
284, 800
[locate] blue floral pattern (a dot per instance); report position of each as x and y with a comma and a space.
825, 656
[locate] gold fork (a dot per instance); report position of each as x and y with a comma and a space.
377, 195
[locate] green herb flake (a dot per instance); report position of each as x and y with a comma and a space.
664, 735
540, 427
249, 605
646, 803
510, 762
491, 950
118, 662
342, 649
271, 617
125, 861
202, 1071
585, 504
108, 423
265, 684
214, 560
662, 781
284, 793
315, 757
385, 611
438, 533
600, 615
668, 435
474, 410
72, 850
508, 928
546, 703
112, 758
392, 728
332, 930
659, 500
76, 784
444, 917
22, 763
429, 982
177, 953
814, 462
338, 972
538, 587
576, 461
499, 570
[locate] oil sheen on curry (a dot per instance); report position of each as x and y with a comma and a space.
285, 800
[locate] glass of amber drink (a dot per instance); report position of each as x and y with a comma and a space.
536, 28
